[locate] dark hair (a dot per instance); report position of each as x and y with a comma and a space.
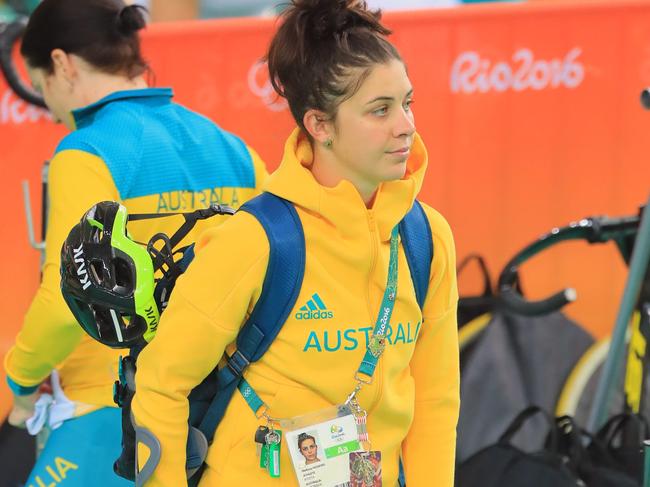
102, 32
319, 41
302, 437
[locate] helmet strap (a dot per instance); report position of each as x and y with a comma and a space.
164, 256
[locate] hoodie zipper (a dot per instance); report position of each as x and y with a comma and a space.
372, 313
372, 226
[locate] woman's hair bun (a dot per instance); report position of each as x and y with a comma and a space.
327, 18
322, 52
131, 19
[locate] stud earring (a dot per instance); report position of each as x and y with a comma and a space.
328, 143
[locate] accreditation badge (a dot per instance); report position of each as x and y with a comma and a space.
321, 446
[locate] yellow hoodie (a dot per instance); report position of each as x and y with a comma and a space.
414, 399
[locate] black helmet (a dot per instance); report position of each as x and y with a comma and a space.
107, 279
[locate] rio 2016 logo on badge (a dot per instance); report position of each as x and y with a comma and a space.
336, 432
470, 73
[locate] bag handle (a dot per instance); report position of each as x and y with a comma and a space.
615, 428
522, 418
487, 278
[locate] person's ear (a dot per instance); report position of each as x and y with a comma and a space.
65, 69
319, 126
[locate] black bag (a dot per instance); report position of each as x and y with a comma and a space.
594, 464
504, 465
619, 444
564, 460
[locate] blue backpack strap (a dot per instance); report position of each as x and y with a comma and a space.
282, 283
417, 242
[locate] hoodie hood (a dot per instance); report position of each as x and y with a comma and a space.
342, 205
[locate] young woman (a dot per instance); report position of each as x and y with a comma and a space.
352, 169
128, 143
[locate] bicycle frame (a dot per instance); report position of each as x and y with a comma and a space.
636, 297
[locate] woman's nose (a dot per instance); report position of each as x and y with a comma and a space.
405, 125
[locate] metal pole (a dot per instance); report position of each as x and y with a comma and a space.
646, 463
616, 355
30, 221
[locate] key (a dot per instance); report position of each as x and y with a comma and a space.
260, 438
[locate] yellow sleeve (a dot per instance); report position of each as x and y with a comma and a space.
261, 174
436, 373
209, 304
77, 180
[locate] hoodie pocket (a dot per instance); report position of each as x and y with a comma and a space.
233, 446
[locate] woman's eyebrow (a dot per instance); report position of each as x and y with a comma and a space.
388, 98
381, 98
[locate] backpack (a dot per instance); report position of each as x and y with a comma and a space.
282, 284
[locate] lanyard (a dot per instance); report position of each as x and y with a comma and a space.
376, 343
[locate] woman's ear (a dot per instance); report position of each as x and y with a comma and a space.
64, 67
319, 126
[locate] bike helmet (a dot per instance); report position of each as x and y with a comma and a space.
107, 279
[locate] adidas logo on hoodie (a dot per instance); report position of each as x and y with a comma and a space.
315, 309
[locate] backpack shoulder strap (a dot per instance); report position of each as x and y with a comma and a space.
417, 242
284, 273
282, 283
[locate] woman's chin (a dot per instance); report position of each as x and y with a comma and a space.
396, 172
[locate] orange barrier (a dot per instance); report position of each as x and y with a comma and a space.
530, 114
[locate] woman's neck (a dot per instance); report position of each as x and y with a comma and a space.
328, 171
99, 85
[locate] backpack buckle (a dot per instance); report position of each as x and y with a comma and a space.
237, 363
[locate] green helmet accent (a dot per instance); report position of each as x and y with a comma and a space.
145, 304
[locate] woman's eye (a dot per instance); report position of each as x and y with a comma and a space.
381, 111
407, 105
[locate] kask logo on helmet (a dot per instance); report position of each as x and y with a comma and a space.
82, 273
152, 320
471, 73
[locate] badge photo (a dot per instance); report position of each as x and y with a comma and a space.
309, 446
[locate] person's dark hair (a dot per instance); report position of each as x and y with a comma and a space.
302, 437
103, 33
316, 46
